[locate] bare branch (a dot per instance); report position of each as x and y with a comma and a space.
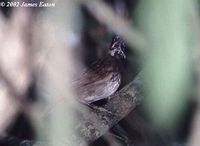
98, 121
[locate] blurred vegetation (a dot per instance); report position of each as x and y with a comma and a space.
168, 71
161, 38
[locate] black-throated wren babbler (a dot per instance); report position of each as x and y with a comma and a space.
103, 77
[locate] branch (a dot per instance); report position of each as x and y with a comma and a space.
99, 120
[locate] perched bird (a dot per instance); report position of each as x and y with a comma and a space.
103, 77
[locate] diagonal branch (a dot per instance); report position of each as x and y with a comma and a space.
99, 120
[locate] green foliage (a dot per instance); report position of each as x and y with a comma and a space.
167, 74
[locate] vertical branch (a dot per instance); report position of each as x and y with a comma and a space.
55, 38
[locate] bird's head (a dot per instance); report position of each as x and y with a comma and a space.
117, 48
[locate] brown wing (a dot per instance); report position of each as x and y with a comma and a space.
94, 73
99, 89
92, 84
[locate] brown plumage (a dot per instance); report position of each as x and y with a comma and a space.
103, 77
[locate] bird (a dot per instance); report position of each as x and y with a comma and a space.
103, 77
